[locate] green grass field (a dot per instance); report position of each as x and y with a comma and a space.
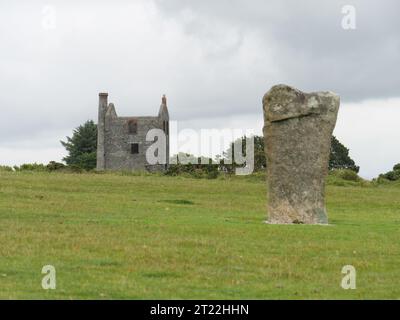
115, 236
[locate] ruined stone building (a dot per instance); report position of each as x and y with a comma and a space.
121, 141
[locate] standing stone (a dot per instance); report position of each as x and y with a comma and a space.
297, 131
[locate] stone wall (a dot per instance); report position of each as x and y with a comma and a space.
115, 140
118, 142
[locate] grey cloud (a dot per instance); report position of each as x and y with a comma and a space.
310, 49
213, 59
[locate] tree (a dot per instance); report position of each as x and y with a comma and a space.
339, 157
392, 175
82, 146
259, 154
185, 157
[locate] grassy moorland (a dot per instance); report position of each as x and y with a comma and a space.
115, 236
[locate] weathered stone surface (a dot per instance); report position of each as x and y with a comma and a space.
297, 132
115, 138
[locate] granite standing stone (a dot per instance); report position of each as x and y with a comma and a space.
297, 131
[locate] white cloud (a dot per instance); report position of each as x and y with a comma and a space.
370, 130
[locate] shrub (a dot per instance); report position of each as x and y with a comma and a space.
173, 170
346, 174
31, 167
212, 174
74, 169
346, 177
198, 173
54, 166
6, 168
349, 175
86, 161
381, 180
393, 175
209, 171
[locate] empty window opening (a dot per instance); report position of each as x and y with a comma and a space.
132, 127
134, 148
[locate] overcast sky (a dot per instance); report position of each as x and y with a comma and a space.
213, 59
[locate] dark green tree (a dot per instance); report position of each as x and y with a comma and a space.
259, 154
82, 146
392, 175
339, 157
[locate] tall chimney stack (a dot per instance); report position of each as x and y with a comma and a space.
103, 102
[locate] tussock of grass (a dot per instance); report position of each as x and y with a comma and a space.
178, 201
